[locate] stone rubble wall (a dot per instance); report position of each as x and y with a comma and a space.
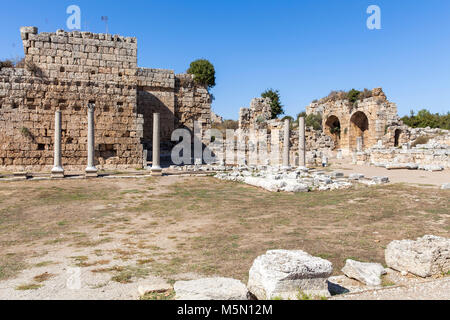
435, 153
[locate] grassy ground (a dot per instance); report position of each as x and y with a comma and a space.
172, 225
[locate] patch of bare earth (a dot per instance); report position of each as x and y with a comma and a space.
121, 231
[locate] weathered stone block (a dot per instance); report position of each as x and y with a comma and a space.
425, 257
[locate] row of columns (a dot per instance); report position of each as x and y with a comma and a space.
91, 170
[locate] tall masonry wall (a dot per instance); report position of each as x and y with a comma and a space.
66, 71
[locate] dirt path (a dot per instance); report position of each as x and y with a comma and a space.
417, 177
430, 290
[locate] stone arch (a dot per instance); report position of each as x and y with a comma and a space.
397, 135
359, 129
333, 129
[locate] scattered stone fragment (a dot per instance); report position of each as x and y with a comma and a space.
284, 274
356, 176
337, 174
431, 168
380, 180
446, 186
368, 273
425, 257
211, 289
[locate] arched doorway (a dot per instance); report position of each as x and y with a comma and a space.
333, 129
397, 134
359, 129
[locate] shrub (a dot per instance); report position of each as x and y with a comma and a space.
353, 95
424, 119
33, 68
421, 140
203, 72
6, 64
314, 120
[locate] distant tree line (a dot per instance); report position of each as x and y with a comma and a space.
425, 118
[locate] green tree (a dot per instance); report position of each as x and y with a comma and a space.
425, 118
314, 120
203, 72
274, 96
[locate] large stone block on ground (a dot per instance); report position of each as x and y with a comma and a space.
284, 274
211, 289
424, 257
367, 273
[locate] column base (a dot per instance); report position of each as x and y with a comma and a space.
156, 171
91, 172
57, 173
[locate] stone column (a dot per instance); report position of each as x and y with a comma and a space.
57, 171
156, 164
286, 144
359, 144
301, 142
91, 170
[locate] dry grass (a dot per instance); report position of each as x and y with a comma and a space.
206, 226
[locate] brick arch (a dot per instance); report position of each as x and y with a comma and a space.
359, 128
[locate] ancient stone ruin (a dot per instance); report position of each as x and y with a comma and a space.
67, 71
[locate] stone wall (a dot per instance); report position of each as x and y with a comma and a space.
66, 71
156, 94
435, 152
193, 103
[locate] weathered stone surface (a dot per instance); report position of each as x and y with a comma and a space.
211, 289
356, 176
284, 274
368, 273
446, 186
66, 71
380, 180
425, 257
153, 285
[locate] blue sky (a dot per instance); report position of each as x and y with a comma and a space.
304, 49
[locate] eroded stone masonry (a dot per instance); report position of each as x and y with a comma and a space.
365, 131
68, 70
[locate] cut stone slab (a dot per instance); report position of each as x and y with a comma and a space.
380, 180
337, 174
284, 274
446, 186
368, 273
211, 289
425, 257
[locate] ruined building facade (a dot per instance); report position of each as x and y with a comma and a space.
66, 71
355, 126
